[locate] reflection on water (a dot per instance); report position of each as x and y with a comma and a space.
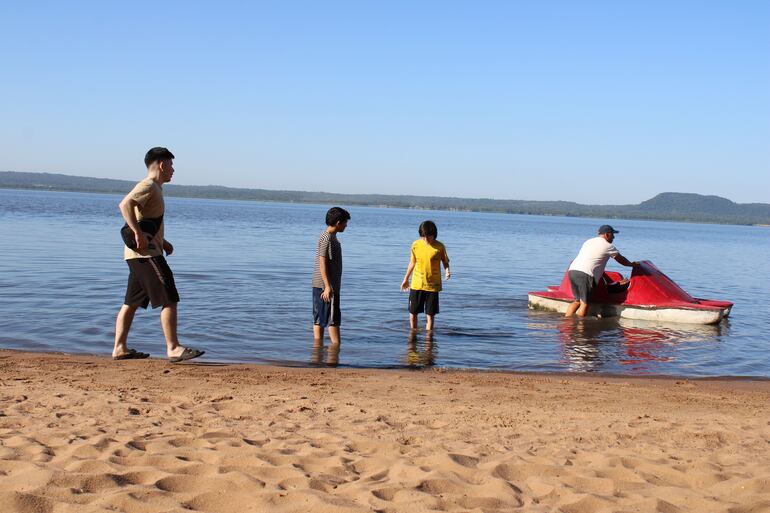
683, 331
647, 341
328, 355
581, 342
420, 353
589, 344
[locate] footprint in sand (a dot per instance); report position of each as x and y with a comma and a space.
441, 486
144, 477
465, 461
19, 502
187, 483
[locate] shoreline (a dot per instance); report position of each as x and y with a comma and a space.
86, 433
407, 368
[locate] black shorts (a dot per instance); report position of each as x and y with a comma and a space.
582, 285
150, 280
423, 301
326, 314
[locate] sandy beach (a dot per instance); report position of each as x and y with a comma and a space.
86, 434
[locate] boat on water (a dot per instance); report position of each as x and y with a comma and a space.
649, 295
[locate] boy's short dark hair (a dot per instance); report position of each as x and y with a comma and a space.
428, 229
336, 215
156, 154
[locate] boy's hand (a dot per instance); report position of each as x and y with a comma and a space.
405, 284
447, 274
327, 294
141, 241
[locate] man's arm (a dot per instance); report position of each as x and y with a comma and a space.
127, 207
624, 261
326, 295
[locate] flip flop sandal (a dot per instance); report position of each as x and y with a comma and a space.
132, 354
188, 354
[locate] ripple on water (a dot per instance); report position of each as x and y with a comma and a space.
245, 288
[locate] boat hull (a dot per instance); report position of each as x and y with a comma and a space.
645, 313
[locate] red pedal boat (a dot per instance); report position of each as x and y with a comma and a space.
650, 295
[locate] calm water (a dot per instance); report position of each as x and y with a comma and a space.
243, 271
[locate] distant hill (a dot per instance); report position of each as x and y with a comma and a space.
667, 206
696, 207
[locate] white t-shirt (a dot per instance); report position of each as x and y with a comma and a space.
593, 257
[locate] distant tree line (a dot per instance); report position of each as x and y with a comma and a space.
668, 206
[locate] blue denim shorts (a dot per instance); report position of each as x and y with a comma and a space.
326, 314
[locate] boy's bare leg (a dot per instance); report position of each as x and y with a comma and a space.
413, 321
572, 308
318, 332
583, 310
334, 334
428, 322
122, 326
168, 323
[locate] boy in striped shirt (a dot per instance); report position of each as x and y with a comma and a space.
327, 276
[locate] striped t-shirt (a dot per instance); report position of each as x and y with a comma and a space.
330, 247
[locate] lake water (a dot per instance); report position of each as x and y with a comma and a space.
243, 271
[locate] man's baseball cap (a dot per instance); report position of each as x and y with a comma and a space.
605, 228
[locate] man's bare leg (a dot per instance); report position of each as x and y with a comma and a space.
334, 334
413, 321
168, 322
583, 310
572, 308
122, 327
428, 322
318, 332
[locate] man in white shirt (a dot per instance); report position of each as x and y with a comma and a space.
587, 268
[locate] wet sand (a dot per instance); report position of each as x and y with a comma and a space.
84, 433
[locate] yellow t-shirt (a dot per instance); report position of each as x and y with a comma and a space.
149, 196
427, 267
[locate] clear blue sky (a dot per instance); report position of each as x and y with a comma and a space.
595, 102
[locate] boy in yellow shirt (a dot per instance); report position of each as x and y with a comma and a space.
427, 256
